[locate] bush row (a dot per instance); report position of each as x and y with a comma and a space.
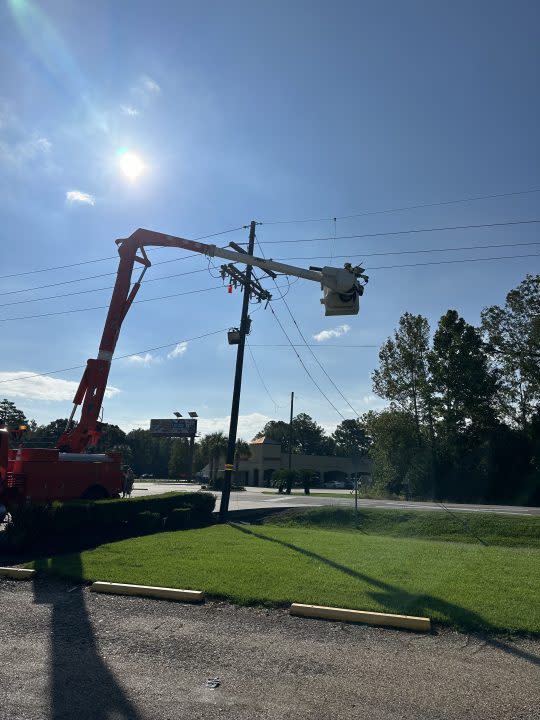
62, 525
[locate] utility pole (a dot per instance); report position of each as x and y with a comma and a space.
290, 429
231, 445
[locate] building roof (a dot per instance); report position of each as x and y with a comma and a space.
264, 441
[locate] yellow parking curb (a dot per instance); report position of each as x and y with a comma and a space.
195, 596
17, 573
407, 622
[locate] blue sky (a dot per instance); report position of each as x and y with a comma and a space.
265, 111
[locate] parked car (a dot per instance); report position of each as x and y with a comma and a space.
147, 476
334, 485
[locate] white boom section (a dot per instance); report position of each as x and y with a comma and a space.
272, 265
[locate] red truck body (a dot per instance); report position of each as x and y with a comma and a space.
46, 474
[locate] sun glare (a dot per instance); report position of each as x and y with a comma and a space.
131, 165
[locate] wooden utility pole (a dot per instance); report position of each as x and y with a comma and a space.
290, 430
233, 426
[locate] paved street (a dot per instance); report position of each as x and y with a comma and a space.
67, 653
254, 498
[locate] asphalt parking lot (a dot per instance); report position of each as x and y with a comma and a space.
67, 653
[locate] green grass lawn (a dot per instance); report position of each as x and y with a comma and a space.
464, 585
482, 528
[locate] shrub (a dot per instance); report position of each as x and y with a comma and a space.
147, 522
61, 526
68, 518
178, 519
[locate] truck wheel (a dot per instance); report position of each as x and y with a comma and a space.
95, 492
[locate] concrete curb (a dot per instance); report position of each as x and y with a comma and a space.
406, 622
17, 573
194, 596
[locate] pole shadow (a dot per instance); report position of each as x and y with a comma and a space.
392, 598
81, 684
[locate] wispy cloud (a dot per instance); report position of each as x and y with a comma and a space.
129, 110
76, 196
150, 85
42, 387
8, 118
146, 359
334, 333
23, 151
179, 350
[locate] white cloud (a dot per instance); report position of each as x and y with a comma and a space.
329, 334
150, 85
145, 359
76, 196
129, 110
179, 350
41, 387
248, 425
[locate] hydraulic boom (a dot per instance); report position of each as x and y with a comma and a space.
341, 288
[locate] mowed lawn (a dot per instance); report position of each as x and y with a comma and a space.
465, 585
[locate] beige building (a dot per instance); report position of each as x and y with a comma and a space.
266, 456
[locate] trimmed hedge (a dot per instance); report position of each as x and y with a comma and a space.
84, 522
179, 519
148, 522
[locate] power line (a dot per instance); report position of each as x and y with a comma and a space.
260, 376
311, 345
306, 343
290, 284
88, 277
472, 198
101, 307
412, 231
110, 257
118, 357
411, 252
109, 287
304, 365
449, 262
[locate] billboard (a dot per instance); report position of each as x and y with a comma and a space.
173, 427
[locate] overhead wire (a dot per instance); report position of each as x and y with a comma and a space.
109, 287
104, 307
338, 390
299, 257
410, 231
116, 357
304, 365
305, 342
109, 257
440, 203
412, 252
260, 376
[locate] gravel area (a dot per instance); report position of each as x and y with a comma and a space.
68, 653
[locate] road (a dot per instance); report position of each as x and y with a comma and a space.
68, 653
254, 498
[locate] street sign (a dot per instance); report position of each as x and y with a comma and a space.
174, 427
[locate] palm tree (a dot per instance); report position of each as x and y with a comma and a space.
213, 446
242, 451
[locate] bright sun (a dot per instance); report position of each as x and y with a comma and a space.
131, 165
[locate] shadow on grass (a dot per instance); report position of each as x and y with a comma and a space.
82, 686
393, 598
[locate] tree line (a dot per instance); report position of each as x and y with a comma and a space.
463, 422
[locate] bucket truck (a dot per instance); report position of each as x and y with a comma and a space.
71, 470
